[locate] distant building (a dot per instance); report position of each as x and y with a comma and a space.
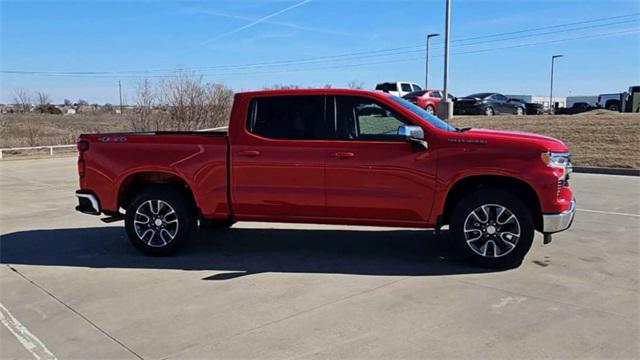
87, 108
589, 99
560, 101
7, 109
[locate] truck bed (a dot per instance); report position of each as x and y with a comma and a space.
115, 160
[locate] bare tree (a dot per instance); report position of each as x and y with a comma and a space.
355, 84
22, 99
283, 87
141, 120
219, 104
67, 103
33, 126
186, 99
43, 98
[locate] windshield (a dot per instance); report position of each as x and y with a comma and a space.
415, 94
423, 114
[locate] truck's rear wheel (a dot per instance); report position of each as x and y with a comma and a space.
159, 221
492, 228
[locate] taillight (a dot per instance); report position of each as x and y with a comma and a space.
81, 167
83, 145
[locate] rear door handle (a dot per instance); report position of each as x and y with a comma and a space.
250, 153
344, 155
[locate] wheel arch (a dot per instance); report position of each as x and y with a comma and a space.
133, 183
517, 187
610, 102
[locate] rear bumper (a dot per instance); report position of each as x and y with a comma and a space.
88, 203
553, 223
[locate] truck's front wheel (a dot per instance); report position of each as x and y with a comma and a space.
492, 228
159, 221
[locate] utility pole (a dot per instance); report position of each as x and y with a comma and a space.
120, 91
426, 66
551, 105
445, 107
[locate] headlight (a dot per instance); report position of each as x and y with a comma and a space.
556, 159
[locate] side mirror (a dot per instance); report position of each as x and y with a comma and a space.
413, 133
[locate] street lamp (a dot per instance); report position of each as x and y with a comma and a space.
426, 66
445, 107
551, 107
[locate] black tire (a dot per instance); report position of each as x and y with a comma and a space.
498, 253
613, 106
430, 109
489, 111
174, 220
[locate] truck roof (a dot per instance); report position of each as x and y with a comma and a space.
313, 91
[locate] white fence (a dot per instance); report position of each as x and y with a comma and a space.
51, 149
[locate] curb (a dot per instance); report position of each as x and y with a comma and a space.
606, 171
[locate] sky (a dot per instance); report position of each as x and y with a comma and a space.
82, 49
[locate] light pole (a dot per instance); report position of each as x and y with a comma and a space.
426, 66
551, 107
445, 107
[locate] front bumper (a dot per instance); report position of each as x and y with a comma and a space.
553, 223
468, 110
88, 203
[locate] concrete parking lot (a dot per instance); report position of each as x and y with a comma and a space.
72, 286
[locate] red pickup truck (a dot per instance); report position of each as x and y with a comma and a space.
333, 156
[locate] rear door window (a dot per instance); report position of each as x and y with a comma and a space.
290, 117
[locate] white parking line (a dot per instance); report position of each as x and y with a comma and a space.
608, 212
26, 338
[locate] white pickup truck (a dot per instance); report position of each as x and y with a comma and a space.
399, 88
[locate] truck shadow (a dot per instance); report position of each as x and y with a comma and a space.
243, 251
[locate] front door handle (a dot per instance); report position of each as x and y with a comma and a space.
249, 153
344, 155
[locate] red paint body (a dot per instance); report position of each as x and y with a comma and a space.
426, 99
249, 177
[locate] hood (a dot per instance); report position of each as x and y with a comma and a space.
542, 142
469, 99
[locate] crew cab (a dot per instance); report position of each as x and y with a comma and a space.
333, 156
398, 88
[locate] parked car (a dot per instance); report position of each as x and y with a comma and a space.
399, 88
530, 108
487, 104
334, 156
576, 108
427, 99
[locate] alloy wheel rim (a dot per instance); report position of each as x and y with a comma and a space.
492, 231
429, 110
489, 111
156, 223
